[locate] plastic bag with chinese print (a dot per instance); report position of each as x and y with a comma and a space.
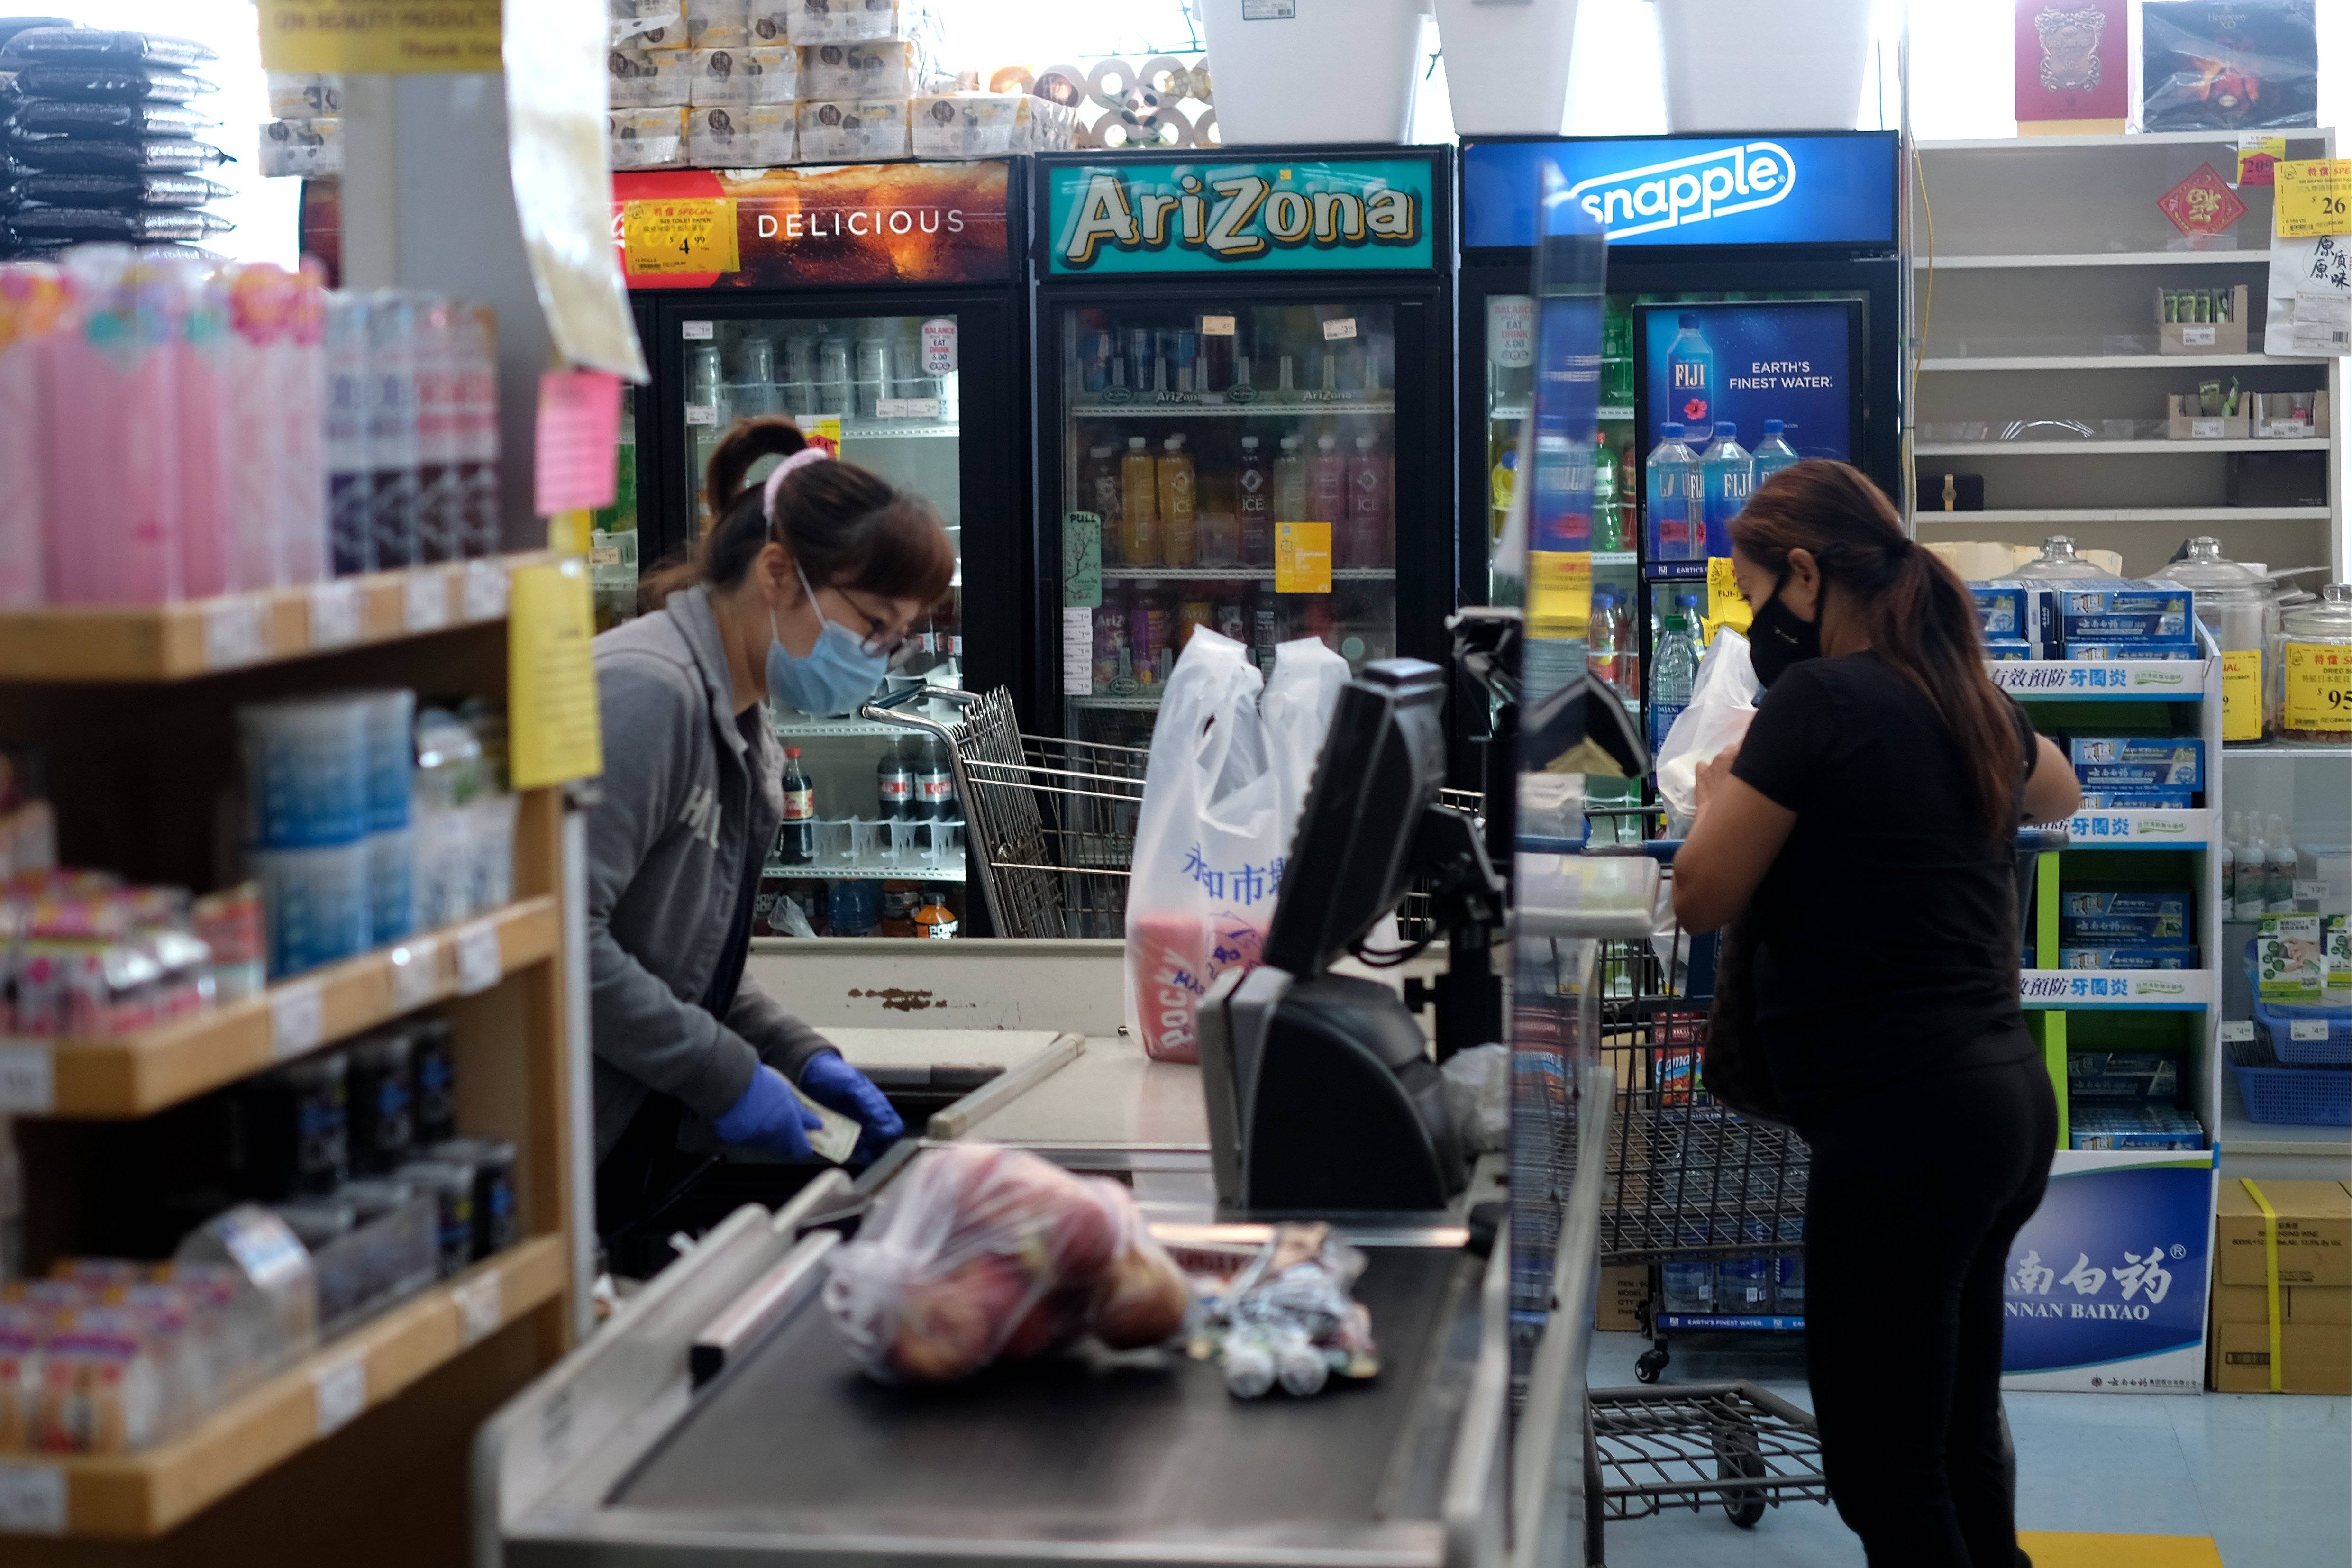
1208, 845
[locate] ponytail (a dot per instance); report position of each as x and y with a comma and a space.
845, 527
1921, 618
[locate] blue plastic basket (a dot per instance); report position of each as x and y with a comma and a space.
2291, 1096
2278, 1020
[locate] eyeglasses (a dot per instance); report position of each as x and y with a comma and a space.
877, 643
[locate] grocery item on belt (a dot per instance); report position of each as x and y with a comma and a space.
1288, 1316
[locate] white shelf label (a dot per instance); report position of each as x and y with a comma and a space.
335, 613
1077, 652
2197, 337
29, 1080
486, 590
415, 974
426, 600
701, 413
480, 967
236, 632
2237, 1031
481, 1307
694, 331
32, 1500
907, 408
2307, 1029
1216, 326
339, 1391
298, 1020
1334, 331
2309, 890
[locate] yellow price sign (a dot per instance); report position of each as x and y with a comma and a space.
1725, 604
555, 726
2315, 197
2318, 689
368, 37
2257, 156
1560, 593
682, 234
2241, 695
1302, 557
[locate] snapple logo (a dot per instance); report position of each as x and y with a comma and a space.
1687, 190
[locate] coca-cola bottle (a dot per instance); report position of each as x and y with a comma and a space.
796, 838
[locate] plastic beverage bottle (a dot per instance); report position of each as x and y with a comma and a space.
796, 838
1254, 500
1327, 484
1690, 375
391, 408
1601, 647
1216, 502
1674, 495
350, 543
1608, 521
1371, 502
1773, 452
1265, 626
440, 495
1727, 473
1098, 487
298, 375
2230, 864
1139, 517
1290, 485
2253, 873
1180, 532
1629, 652
2279, 890
894, 785
1674, 671
934, 784
1502, 484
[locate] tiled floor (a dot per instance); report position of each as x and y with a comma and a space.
2263, 1475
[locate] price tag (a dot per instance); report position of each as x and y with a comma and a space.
1302, 557
2205, 429
480, 966
694, 331
335, 613
1216, 326
32, 1500
485, 590
701, 413
339, 1391
906, 408
1334, 331
687, 234
2307, 1029
2318, 688
1077, 651
298, 1020
1559, 593
2200, 337
481, 1307
29, 1080
2315, 197
2256, 156
2237, 1031
415, 974
236, 632
1726, 605
424, 597
2241, 695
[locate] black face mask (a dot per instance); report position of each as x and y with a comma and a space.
1777, 638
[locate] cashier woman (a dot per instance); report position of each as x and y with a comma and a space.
1866, 828
804, 587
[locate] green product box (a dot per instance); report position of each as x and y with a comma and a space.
2336, 936
2288, 962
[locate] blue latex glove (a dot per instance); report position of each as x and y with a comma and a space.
834, 1084
769, 1117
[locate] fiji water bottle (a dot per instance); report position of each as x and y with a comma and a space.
1773, 452
1673, 669
1674, 491
1727, 473
1690, 375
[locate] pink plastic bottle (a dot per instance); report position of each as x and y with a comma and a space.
258, 298
32, 301
1327, 484
113, 435
1371, 505
299, 511
202, 364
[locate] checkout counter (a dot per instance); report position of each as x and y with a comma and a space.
718, 1420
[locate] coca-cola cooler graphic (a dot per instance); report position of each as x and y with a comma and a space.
883, 307
1243, 404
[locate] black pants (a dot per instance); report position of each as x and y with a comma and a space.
1918, 1191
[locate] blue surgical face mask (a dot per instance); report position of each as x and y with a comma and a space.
833, 677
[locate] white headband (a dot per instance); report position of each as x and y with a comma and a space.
799, 459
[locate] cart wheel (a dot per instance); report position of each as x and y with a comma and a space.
1651, 1362
1739, 1458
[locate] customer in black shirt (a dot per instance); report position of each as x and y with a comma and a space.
1866, 828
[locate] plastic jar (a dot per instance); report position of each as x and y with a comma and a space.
2237, 606
2317, 702
2058, 560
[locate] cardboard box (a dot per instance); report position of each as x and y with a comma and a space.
2205, 337
2318, 1358
2306, 1306
2315, 1234
2182, 422
2288, 416
1617, 1303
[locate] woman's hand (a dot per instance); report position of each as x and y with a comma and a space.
1711, 774
834, 1084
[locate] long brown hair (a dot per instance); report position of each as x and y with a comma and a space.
1921, 617
845, 527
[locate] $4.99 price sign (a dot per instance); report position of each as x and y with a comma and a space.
687, 234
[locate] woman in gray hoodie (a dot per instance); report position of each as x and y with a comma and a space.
803, 589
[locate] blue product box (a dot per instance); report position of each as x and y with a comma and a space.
2011, 649
2132, 955
2123, 1075
2005, 609
2095, 1124
2095, 611
2137, 762
2119, 799
2101, 917
2035, 610
2110, 651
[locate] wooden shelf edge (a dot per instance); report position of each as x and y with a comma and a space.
145, 1073
140, 1496
192, 637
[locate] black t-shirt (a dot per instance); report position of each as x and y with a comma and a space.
1886, 929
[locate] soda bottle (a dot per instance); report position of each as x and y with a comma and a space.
1370, 524
1139, 489
1265, 625
1690, 375
1253, 498
1180, 531
1674, 491
1110, 649
1289, 487
796, 838
935, 796
894, 785
1601, 647
1773, 452
1147, 632
1192, 611
1616, 355
1608, 524
1629, 652
1327, 484
1727, 473
1674, 670
1098, 487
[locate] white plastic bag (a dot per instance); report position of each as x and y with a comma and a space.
1722, 705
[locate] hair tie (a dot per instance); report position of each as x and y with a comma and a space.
1900, 548
799, 459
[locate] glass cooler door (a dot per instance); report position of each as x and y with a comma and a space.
1228, 466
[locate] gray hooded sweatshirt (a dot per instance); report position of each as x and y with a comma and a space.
685, 789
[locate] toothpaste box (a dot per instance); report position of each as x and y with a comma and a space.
2289, 962
2098, 1125
2137, 762
2335, 941
2132, 955
2123, 1075
2012, 648
2027, 605
2107, 652
2104, 917
2121, 799
2096, 611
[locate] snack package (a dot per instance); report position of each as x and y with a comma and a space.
647, 138
718, 24
857, 71
121, 190
981, 1253
853, 131
113, 83
42, 45
1289, 1316
108, 122
743, 76
2218, 65
641, 79
830, 21
648, 24
740, 135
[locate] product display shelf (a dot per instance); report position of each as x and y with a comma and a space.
135, 1075
2177, 363
2028, 259
1188, 405
1235, 573
2064, 518
204, 637
142, 1496
891, 430
1515, 412
866, 871
2182, 448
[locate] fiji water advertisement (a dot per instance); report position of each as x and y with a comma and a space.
2104, 1287
1755, 385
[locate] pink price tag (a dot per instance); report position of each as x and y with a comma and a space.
578, 431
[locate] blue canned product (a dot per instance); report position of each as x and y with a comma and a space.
451, 1185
